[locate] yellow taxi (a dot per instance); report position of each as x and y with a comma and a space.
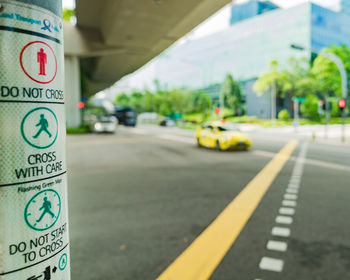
222, 136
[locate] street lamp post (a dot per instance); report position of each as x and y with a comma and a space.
344, 82
296, 114
273, 102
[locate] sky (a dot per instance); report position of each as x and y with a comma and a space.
70, 4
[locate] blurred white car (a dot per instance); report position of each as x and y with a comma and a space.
99, 119
104, 124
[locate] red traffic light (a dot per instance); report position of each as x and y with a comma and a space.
81, 105
217, 110
342, 103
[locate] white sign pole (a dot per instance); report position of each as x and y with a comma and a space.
34, 241
296, 114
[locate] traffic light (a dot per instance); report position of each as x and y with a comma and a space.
81, 105
342, 104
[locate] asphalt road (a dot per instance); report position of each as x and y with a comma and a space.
140, 197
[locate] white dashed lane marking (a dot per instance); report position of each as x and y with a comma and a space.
271, 264
290, 196
284, 220
280, 231
277, 246
289, 203
286, 211
293, 186
294, 183
285, 217
292, 191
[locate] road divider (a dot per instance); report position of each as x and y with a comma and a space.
202, 257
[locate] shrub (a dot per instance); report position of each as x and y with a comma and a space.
335, 109
310, 108
283, 115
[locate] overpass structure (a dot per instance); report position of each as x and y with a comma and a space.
113, 38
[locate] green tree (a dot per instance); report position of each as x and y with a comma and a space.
297, 78
268, 80
148, 100
201, 104
122, 100
205, 103
335, 109
176, 100
67, 14
231, 92
189, 101
310, 108
326, 72
137, 101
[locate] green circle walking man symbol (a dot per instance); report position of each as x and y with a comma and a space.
44, 124
39, 128
42, 210
62, 263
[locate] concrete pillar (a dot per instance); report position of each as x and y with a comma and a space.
72, 91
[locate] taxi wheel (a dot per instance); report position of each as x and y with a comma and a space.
218, 146
198, 143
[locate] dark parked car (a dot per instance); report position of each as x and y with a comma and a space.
125, 115
167, 122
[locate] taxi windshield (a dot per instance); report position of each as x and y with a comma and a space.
228, 127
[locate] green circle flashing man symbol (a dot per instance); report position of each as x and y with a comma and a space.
42, 210
62, 263
39, 128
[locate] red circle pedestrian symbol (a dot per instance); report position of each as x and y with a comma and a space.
38, 61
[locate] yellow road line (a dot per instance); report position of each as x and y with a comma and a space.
201, 258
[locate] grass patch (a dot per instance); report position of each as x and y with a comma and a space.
187, 125
77, 130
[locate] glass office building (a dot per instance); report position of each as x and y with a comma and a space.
345, 4
247, 47
249, 10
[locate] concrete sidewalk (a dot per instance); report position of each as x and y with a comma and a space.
317, 133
